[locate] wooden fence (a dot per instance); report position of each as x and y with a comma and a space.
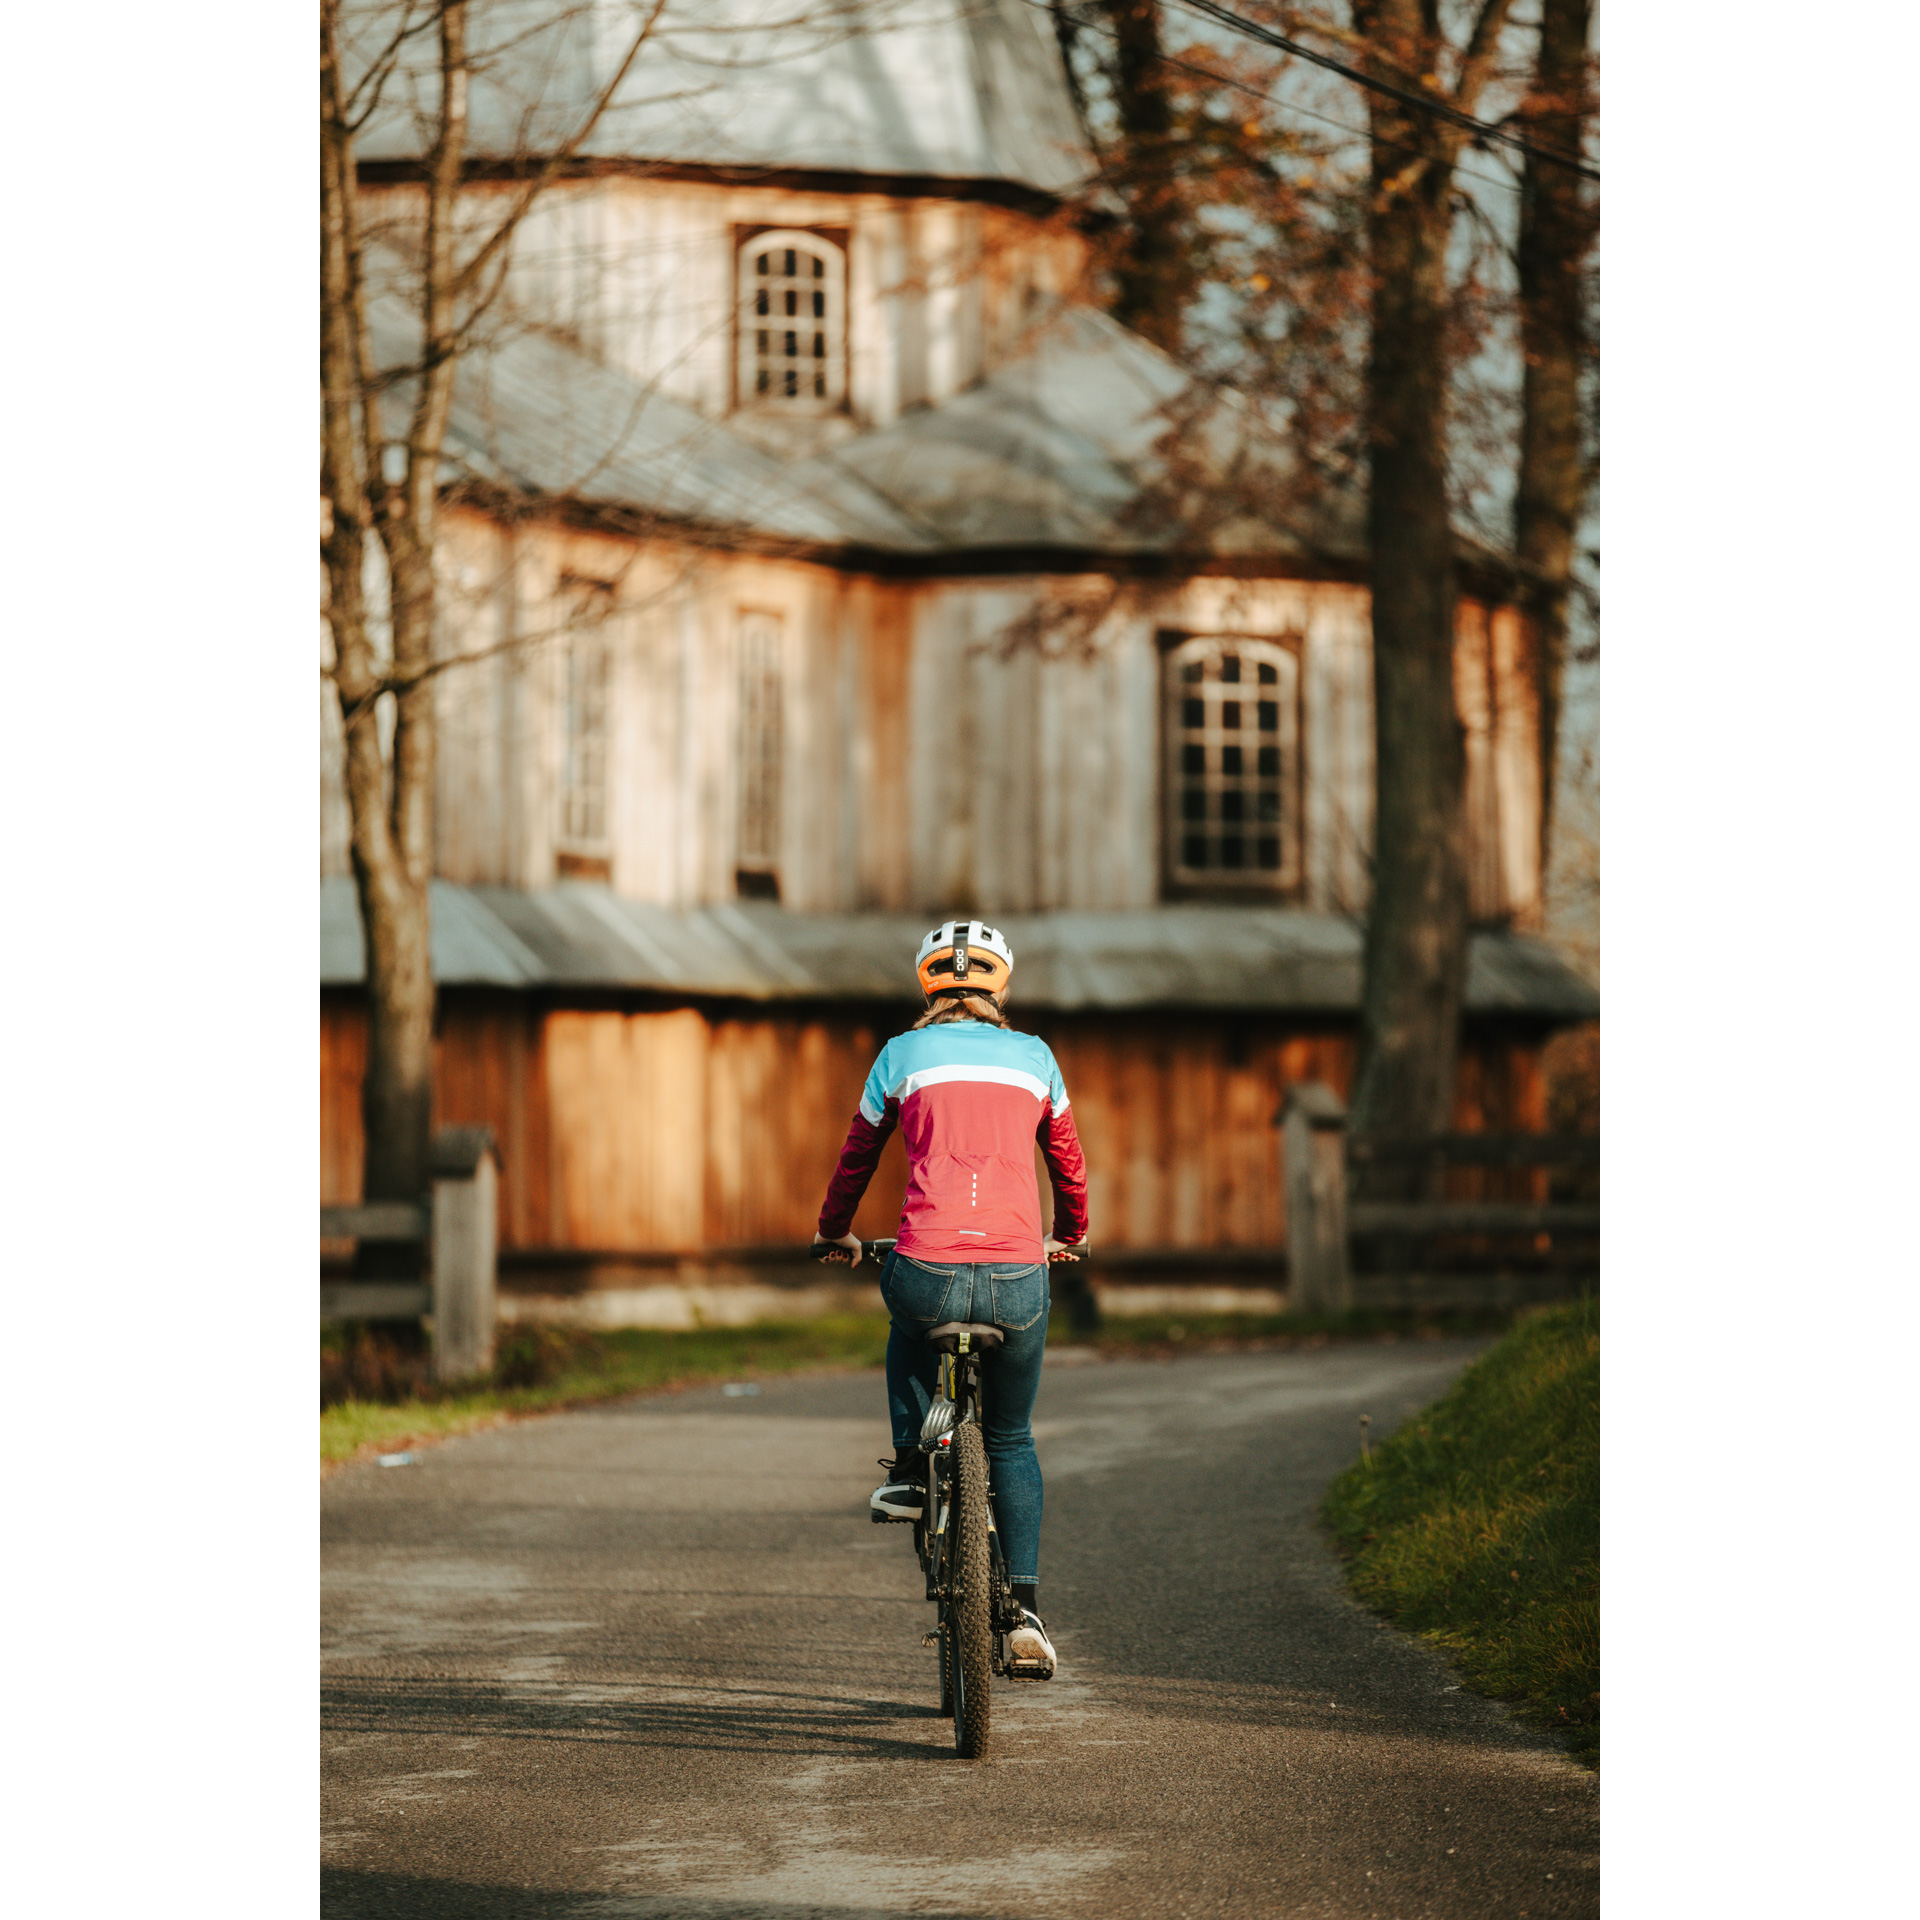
1445, 1220
1496, 1219
458, 1221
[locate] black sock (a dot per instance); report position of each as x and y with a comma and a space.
1026, 1593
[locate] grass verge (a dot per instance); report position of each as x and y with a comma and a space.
1478, 1523
543, 1370
377, 1397
1163, 1335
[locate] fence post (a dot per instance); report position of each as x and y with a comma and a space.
1313, 1122
464, 1230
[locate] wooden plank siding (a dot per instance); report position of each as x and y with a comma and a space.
343, 1069
1175, 1113
679, 1130
627, 1101
944, 744
1499, 709
781, 1093
489, 1069
987, 741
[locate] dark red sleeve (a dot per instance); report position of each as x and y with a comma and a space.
858, 1158
1067, 1169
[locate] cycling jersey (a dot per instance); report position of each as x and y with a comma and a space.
970, 1100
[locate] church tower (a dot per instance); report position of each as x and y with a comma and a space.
805, 233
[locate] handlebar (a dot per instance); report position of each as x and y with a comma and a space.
829, 1253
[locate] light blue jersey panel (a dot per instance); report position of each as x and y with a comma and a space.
975, 1050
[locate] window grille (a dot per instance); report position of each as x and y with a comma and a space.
1233, 774
583, 778
758, 854
792, 320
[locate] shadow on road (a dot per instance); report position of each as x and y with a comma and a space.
726, 1720
348, 1894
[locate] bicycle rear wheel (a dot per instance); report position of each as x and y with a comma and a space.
970, 1611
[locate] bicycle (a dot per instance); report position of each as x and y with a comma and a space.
956, 1540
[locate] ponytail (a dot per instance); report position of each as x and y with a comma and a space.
970, 1003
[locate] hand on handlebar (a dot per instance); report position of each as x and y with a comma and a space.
1059, 1250
844, 1252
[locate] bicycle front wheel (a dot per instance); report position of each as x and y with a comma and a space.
970, 1610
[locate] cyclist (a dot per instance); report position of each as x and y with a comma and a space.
971, 1096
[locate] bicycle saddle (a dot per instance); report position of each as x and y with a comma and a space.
945, 1338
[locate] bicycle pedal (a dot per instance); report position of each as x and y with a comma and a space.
1028, 1670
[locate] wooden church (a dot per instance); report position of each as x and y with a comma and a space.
803, 586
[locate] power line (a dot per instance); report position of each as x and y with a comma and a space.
1264, 96
1486, 129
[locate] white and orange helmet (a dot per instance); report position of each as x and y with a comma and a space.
964, 953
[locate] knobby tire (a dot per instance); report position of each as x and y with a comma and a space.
970, 1615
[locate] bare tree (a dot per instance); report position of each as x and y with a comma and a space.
386, 490
1156, 273
1416, 940
1355, 317
1559, 223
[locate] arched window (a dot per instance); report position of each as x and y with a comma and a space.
1233, 765
793, 317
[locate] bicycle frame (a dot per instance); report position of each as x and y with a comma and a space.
962, 1389
960, 1403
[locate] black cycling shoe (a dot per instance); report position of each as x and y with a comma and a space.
903, 1493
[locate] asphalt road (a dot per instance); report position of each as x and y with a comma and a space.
652, 1660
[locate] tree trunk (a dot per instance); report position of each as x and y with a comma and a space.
1558, 225
390, 806
391, 797
1154, 275
1417, 923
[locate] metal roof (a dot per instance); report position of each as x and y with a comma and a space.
1053, 450
1244, 959
1037, 454
1058, 446
960, 90
1056, 449
537, 415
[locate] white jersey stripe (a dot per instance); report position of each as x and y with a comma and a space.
995, 1076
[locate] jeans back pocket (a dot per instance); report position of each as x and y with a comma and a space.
916, 1292
1019, 1297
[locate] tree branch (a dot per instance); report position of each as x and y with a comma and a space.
366, 696
373, 82
546, 172
1476, 63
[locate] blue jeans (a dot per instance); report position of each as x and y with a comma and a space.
920, 1295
